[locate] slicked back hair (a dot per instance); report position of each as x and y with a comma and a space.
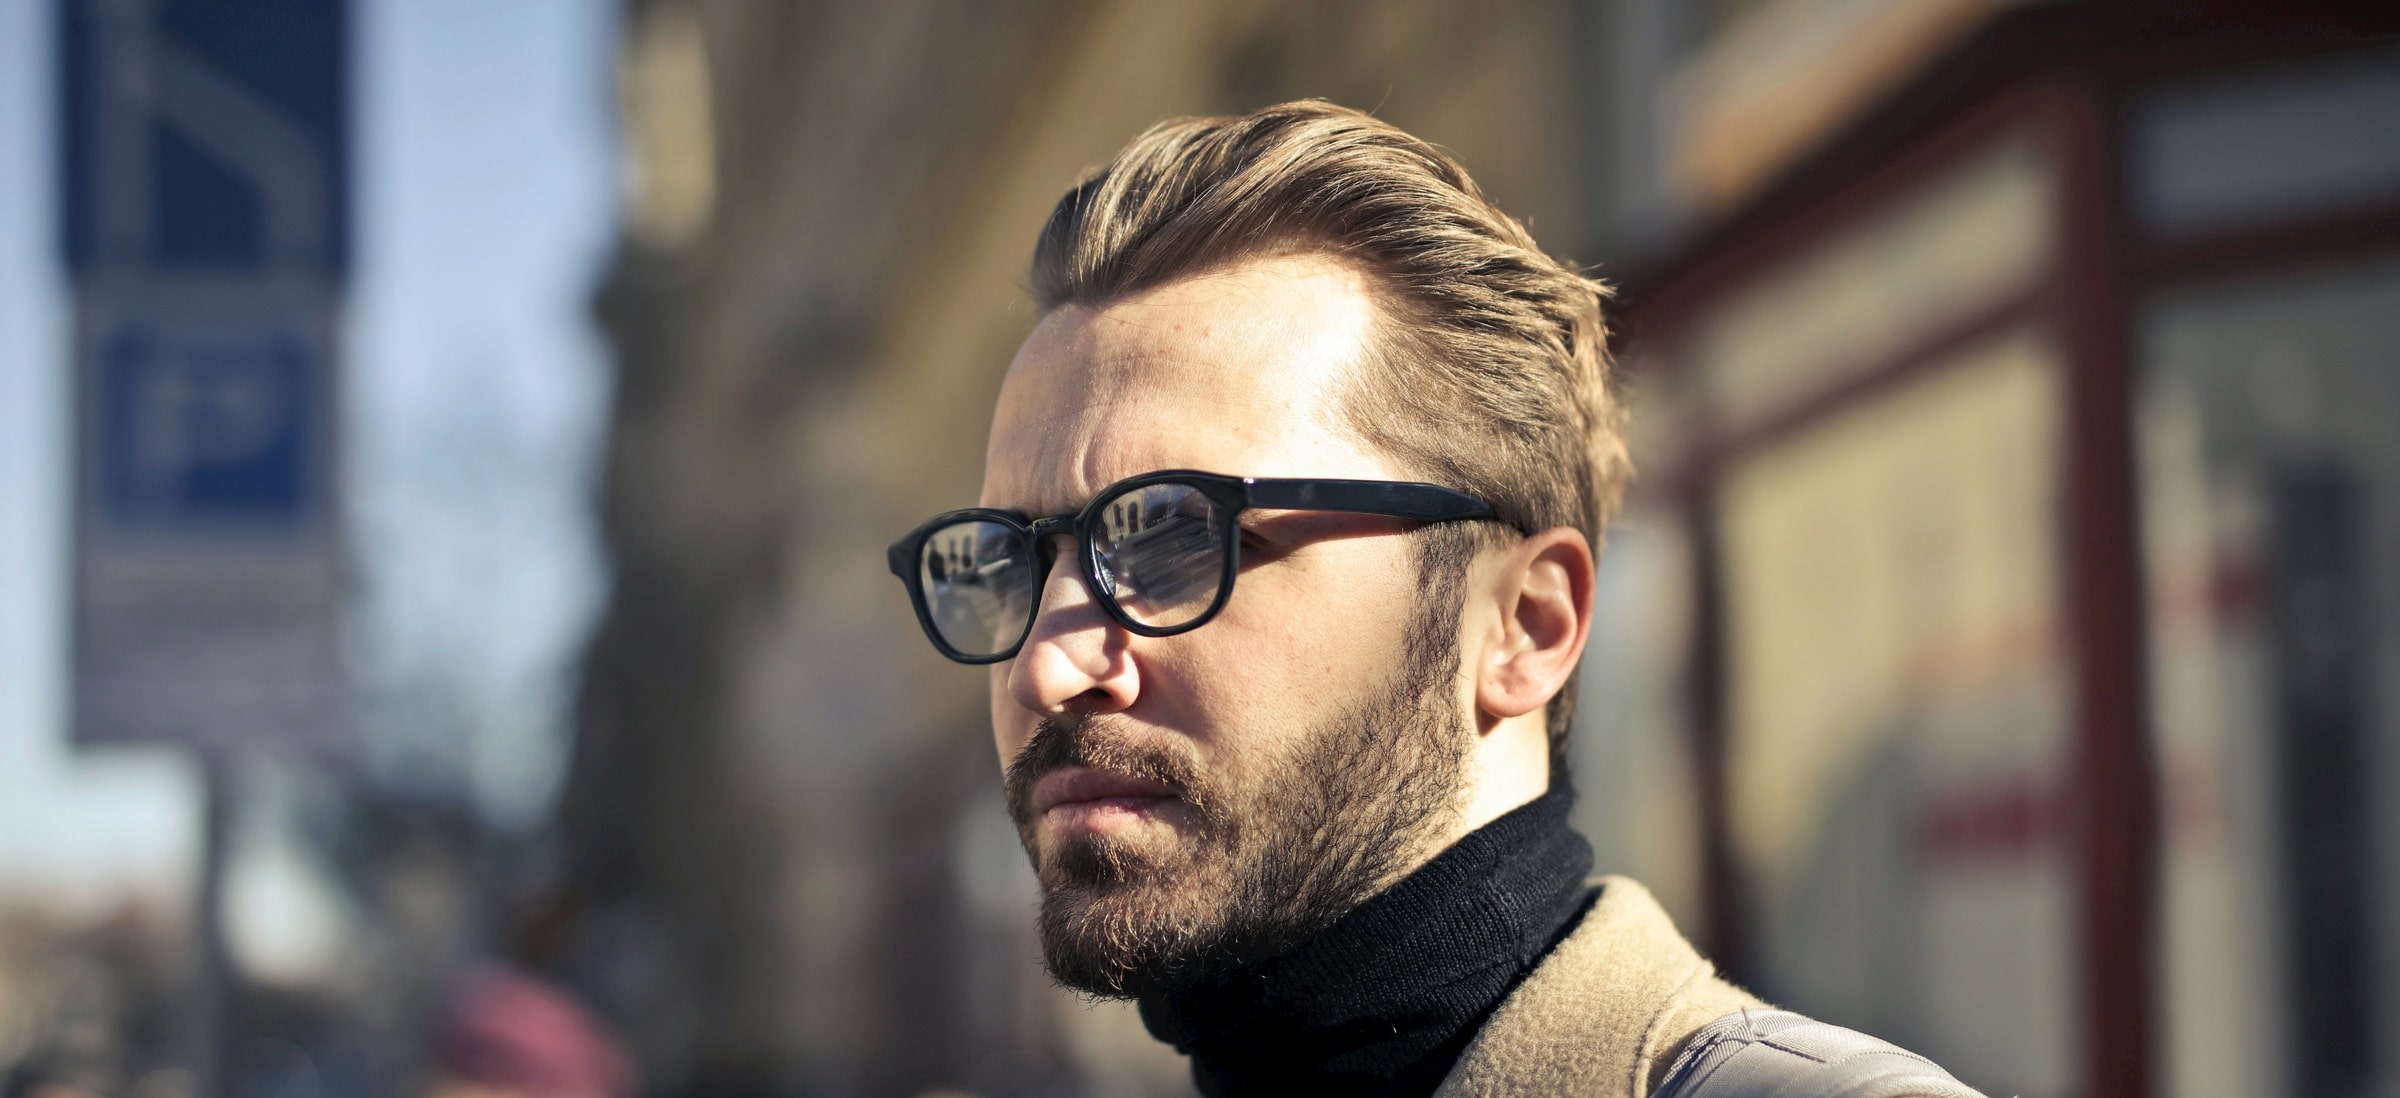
1489, 371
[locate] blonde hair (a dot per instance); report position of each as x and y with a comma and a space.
1491, 369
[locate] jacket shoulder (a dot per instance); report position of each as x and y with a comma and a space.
1604, 1013
1763, 1053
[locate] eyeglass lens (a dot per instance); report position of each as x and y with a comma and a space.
979, 579
1161, 556
1162, 553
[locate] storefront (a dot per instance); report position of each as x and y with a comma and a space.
2020, 514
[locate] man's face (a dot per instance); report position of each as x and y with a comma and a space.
1207, 797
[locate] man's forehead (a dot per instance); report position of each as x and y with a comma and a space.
1238, 371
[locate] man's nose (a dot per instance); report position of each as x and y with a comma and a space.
1076, 659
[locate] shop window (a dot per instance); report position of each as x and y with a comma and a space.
2250, 149
2270, 472
1898, 762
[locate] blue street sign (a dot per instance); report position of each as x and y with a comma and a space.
204, 134
208, 561
204, 431
205, 180
204, 177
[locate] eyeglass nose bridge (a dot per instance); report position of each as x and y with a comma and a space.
1095, 573
1043, 533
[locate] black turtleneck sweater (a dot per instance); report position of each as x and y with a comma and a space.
1384, 1001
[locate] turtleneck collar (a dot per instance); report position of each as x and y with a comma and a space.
1383, 1001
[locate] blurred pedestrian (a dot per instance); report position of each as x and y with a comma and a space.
507, 1034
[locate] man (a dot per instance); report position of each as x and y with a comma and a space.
1282, 570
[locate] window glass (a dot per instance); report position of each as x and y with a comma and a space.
1899, 720
2269, 434
2248, 149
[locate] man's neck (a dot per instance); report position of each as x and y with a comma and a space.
1384, 1000
1508, 769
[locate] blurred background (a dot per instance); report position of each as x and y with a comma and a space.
446, 450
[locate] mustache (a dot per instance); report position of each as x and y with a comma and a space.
1105, 744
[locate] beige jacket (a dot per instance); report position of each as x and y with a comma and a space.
1604, 1014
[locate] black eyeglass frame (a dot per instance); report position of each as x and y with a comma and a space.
1390, 498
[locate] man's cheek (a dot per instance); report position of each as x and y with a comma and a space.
1321, 626
1011, 727
1294, 662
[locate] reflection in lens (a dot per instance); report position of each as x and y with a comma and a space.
978, 579
1162, 553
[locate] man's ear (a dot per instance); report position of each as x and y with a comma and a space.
1544, 592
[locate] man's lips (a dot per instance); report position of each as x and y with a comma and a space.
1077, 785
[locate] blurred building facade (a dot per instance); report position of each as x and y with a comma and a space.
2020, 411
1999, 655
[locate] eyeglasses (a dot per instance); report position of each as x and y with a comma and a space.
1159, 551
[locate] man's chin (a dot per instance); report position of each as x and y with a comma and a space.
1120, 938
1123, 918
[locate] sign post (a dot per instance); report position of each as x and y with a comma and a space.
204, 184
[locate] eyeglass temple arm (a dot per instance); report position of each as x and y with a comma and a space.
1399, 499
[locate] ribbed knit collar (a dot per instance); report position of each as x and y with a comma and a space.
1383, 1001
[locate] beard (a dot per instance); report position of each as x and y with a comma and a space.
1252, 868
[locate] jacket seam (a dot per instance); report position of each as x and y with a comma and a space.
1646, 1054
